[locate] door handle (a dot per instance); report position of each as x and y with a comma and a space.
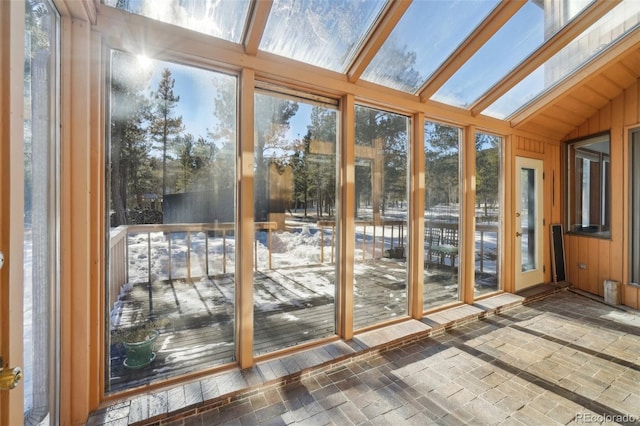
518, 234
9, 377
517, 214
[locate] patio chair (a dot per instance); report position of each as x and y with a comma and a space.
449, 246
431, 242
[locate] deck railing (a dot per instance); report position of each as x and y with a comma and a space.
366, 229
119, 247
369, 232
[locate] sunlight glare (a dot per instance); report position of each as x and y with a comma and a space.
145, 62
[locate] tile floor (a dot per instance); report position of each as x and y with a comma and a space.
564, 359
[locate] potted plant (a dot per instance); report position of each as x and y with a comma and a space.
138, 341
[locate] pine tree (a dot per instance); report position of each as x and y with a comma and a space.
129, 149
165, 126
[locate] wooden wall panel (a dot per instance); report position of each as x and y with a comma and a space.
571, 262
593, 266
605, 259
630, 107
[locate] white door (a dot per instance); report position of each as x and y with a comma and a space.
528, 222
28, 219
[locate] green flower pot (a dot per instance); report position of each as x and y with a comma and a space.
140, 354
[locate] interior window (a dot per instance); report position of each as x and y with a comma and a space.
588, 186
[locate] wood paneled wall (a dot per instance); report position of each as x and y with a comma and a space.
608, 259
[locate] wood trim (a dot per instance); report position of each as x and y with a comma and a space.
75, 229
245, 214
595, 66
257, 21
626, 191
97, 220
122, 30
12, 21
416, 219
467, 265
487, 28
507, 267
389, 18
346, 227
552, 46
85, 10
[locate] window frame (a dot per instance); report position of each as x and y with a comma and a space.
634, 206
603, 230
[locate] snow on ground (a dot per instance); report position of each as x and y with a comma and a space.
299, 245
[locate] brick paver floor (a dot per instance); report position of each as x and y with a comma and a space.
565, 359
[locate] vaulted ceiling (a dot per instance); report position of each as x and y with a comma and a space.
544, 66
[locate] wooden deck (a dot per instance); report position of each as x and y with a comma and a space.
199, 313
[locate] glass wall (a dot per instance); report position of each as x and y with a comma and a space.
295, 220
40, 208
441, 214
488, 213
171, 186
381, 206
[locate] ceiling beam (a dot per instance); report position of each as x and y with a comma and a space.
552, 46
483, 32
256, 23
624, 47
387, 21
85, 10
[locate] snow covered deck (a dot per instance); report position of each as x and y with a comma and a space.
292, 306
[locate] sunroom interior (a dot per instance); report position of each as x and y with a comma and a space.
250, 178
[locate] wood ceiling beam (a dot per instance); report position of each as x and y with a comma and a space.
387, 21
85, 10
617, 52
256, 23
136, 33
487, 28
552, 46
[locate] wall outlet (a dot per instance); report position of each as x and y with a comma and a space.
582, 265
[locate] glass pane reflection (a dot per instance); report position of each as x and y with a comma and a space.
441, 214
222, 19
322, 33
381, 206
488, 213
40, 267
171, 209
427, 33
295, 221
533, 24
591, 43
528, 219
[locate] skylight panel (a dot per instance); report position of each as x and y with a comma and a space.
218, 18
427, 34
325, 33
595, 40
516, 40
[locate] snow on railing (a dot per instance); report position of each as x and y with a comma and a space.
120, 249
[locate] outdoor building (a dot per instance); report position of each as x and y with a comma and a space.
237, 181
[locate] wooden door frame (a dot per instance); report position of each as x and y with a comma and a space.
11, 201
540, 226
